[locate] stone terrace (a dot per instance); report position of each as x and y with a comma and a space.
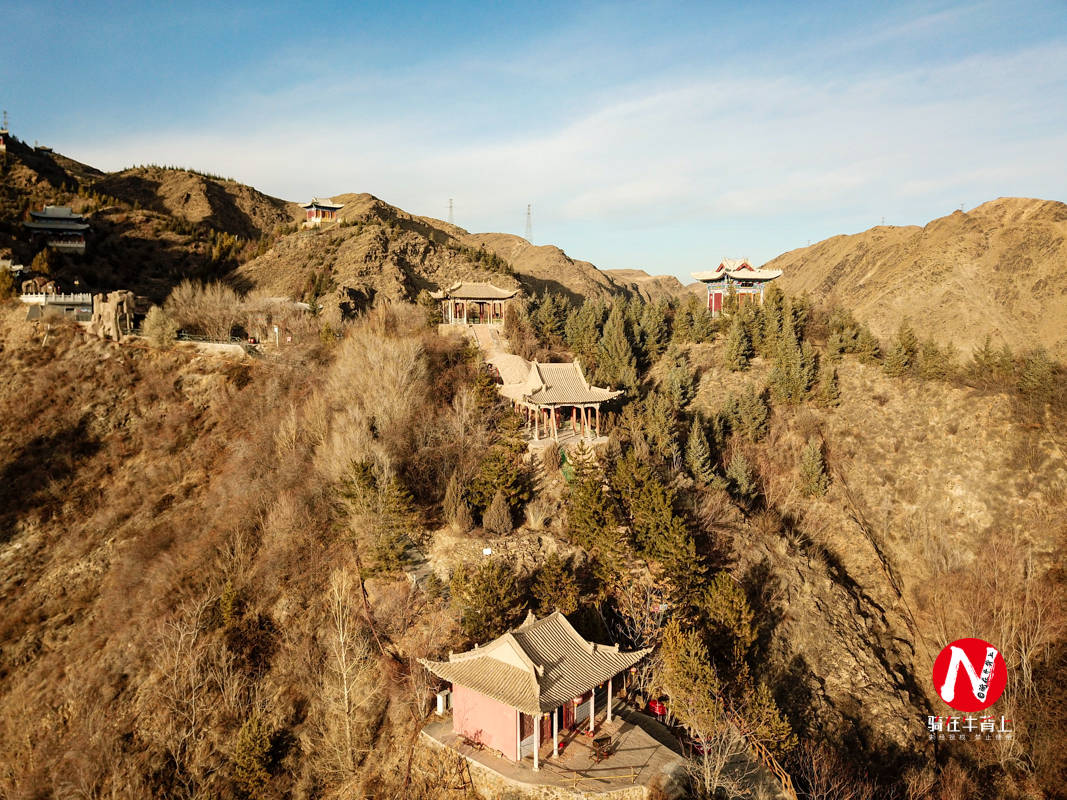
644, 754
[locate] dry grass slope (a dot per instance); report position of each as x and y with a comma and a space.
997, 270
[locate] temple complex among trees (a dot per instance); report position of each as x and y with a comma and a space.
473, 303
738, 276
526, 686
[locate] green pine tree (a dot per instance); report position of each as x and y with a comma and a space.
836, 346
680, 382
814, 479
654, 329
503, 468
550, 317
682, 329
698, 454
555, 586
703, 327
748, 414
591, 517
582, 333
738, 346
742, 481
730, 619
397, 524
868, 347
829, 392
936, 363
616, 364
250, 759
488, 597
660, 422
900, 357
497, 519
1037, 381
772, 317
794, 370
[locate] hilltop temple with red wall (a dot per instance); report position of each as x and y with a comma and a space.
738, 275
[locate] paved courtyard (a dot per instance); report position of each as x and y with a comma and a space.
641, 748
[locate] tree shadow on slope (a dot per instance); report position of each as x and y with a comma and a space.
35, 479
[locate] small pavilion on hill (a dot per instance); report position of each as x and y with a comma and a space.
522, 688
736, 274
473, 303
544, 392
320, 210
59, 227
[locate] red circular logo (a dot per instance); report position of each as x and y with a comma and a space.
970, 674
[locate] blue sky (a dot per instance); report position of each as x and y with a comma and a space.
652, 135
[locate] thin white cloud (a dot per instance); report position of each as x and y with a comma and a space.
695, 146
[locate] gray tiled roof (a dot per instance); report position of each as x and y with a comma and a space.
564, 384
323, 202
56, 212
537, 667
548, 384
57, 225
474, 291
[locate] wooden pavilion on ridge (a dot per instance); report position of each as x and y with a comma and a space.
473, 303
543, 393
524, 687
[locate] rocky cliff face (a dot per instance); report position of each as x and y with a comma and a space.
941, 499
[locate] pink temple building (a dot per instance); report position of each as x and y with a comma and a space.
523, 688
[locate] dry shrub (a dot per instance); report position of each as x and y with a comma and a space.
212, 310
160, 328
538, 511
550, 460
374, 392
824, 775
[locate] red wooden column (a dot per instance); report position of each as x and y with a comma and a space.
598, 422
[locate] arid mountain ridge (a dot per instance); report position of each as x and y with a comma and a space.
999, 270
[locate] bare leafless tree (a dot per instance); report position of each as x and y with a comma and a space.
349, 684
824, 775
719, 761
182, 692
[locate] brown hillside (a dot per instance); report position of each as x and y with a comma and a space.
650, 287
373, 250
141, 237
225, 205
377, 249
999, 270
546, 267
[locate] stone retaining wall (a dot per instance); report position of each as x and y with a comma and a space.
491, 785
